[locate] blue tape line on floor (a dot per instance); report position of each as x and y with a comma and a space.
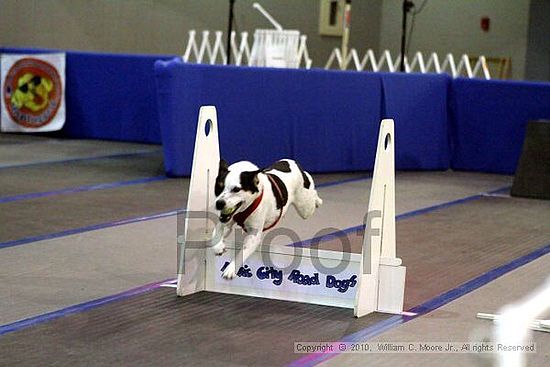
53, 161
344, 181
72, 190
94, 227
377, 328
413, 213
8, 328
426, 307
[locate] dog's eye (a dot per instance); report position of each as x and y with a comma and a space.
236, 189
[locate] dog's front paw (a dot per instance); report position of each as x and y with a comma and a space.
219, 248
229, 272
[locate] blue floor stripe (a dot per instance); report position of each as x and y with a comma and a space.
369, 332
111, 185
451, 203
73, 190
117, 155
428, 306
14, 326
358, 228
344, 181
305, 243
94, 227
478, 282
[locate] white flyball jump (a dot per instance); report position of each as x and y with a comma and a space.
367, 282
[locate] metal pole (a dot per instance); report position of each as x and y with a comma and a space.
229, 31
407, 5
345, 35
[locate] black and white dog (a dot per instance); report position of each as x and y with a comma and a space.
257, 199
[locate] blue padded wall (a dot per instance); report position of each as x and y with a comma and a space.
328, 121
488, 121
418, 104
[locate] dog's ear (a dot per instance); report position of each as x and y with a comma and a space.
223, 166
220, 180
250, 181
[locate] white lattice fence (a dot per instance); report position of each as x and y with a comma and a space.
418, 64
208, 51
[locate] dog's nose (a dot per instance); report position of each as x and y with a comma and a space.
220, 204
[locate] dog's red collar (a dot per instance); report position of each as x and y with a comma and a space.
241, 217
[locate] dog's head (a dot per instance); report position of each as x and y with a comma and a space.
236, 187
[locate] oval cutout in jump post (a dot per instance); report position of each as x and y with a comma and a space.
207, 127
387, 141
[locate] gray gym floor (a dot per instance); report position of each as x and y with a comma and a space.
83, 220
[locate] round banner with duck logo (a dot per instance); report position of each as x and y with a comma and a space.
33, 88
